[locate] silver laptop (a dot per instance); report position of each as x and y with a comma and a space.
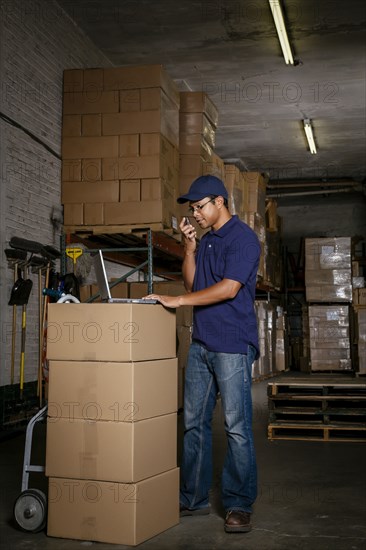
104, 290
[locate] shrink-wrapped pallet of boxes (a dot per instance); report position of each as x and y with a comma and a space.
328, 275
329, 334
120, 138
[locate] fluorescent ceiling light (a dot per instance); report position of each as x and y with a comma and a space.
281, 31
309, 135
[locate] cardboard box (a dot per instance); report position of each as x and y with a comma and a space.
142, 76
155, 99
254, 193
194, 144
154, 166
84, 291
110, 332
156, 189
89, 147
73, 80
138, 289
235, 187
129, 190
143, 212
157, 144
197, 123
94, 213
119, 290
71, 170
74, 214
93, 79
125, 452
191, 165
97, 191
329, 293
328, 253
129, 145
119, 392
143, 122
71, 126
91, 170
362, 296
113, 512
110, 168
215, 166
184, 314
89, 102
91, 125
129, 101
199, 102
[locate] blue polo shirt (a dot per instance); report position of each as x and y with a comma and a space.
232, 252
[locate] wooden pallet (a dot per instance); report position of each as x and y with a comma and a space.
341, 385
317, 432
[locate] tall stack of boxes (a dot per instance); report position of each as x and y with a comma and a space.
120, 160
198, 118
328, 279
112, 426
255, 210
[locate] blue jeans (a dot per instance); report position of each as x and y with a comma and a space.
207, 374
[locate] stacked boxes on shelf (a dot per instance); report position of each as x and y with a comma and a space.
112, 410
120, 147
328, 279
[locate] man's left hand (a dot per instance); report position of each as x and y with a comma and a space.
167, 301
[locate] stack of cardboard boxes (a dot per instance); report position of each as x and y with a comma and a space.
120, 141
112, 426
328, 278
198, 118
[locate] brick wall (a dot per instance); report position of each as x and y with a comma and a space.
38, 41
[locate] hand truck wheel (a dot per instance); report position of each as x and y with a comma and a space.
30, 510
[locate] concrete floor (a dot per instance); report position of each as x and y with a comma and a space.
312, 496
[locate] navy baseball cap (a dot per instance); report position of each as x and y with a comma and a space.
202, 187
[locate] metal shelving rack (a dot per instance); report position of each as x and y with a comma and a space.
153, 252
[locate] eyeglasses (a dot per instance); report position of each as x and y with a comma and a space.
198, 208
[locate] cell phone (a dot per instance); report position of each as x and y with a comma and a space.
186, 221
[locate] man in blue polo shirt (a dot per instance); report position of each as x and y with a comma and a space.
220, 279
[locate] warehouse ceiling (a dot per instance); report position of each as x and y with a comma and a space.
230, 49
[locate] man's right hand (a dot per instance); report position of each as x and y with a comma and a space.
189, 235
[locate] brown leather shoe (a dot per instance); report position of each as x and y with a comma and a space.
237, 521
